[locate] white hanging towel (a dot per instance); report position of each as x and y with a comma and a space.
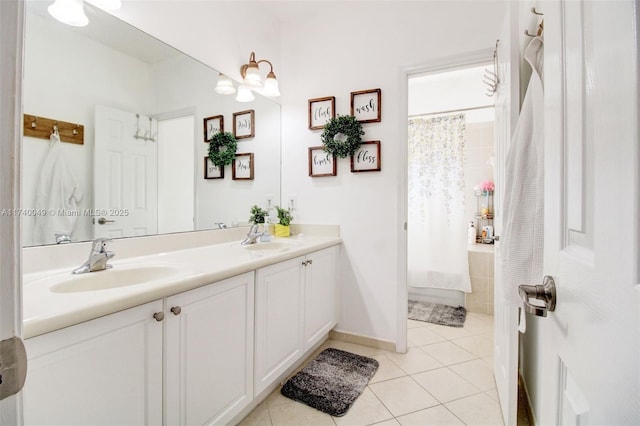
522, 242
57, 194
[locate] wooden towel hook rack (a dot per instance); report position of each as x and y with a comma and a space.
41, 127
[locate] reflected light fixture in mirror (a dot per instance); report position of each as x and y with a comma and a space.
70, 12
251, 76
108, 5
225, 85
244, 94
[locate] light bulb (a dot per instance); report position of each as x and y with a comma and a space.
70, 12
225, 85
271, 86
244, 94
252, 76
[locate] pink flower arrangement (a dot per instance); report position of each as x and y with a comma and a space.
487, 186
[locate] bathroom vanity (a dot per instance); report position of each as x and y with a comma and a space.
211, 332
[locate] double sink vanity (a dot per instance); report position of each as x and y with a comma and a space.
190, 328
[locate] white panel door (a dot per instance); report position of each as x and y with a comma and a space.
107, 371
320, 295
279, 320
124, 177
209, 352
11, 60
590, 372
505, 351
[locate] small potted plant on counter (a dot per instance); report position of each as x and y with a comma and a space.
285, 218
257, 215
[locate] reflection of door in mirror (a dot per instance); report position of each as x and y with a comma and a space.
176, 160
124, 175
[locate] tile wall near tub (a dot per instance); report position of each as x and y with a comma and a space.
480, 300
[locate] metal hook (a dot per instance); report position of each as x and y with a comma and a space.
33, 123
535, 12
75, 130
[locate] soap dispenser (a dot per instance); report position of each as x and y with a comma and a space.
266, 236
471, 233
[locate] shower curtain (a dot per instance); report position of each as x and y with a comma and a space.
437, 229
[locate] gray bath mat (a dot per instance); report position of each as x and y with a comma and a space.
437, 314
332, 381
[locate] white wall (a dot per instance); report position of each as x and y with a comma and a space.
349, 46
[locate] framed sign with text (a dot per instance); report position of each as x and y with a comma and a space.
321, 110
211, 171
366, 158
243, 124
321, 163
213, 125
242, 167
366, 105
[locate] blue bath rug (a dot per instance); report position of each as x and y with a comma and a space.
437, 314
332, 381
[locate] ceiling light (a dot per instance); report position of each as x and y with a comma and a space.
225, 85
70, 12
251, 76
244, 94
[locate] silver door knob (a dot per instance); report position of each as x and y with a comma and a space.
158, 316
176, 310
546, 293
102, 221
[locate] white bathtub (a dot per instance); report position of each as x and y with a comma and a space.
437, 295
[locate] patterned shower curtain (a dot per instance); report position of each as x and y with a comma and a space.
437, 228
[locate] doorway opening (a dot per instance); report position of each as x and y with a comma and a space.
450, 190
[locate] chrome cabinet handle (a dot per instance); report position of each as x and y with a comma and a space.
158, 316
102, 221
545, 293
309, 262
176, 310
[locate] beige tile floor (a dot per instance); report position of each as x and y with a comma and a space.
445, 378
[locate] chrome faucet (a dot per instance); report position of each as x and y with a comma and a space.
62, 238
98, 257
253, 235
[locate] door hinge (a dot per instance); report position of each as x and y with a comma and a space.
13, 366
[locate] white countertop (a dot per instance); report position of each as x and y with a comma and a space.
45, 310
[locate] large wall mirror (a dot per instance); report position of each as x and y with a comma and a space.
141, 168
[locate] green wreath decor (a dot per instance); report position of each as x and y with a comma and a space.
342, 136
222, 148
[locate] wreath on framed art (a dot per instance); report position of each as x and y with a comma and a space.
222, 148
342, 136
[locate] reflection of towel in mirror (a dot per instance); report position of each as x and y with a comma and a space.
57, 196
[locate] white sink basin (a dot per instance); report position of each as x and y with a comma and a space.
112, 278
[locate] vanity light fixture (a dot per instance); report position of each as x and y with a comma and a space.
70, 12
244, 94
251, 74
225, 85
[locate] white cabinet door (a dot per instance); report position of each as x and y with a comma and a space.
279, 310
209, 352
107, 371
320, 295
